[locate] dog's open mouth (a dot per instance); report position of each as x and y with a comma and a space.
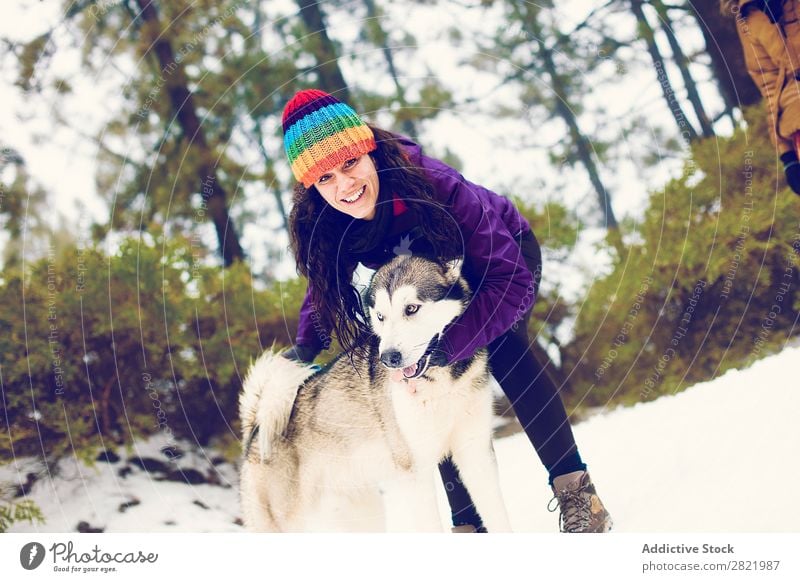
415, 370
418, 369
410, 372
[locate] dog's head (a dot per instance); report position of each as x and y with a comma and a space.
411, 300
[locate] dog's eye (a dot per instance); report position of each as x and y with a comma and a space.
411, 309
379, 316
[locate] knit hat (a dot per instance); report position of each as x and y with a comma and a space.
320, 132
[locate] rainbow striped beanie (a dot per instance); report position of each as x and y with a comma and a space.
320, 132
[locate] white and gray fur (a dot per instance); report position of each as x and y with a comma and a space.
321, 446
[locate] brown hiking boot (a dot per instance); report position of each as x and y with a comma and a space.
581, 508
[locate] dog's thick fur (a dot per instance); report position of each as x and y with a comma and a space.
319, 447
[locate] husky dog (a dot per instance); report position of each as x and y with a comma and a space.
320, 446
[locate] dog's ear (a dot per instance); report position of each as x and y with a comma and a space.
452, 268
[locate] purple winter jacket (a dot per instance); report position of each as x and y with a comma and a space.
490, 226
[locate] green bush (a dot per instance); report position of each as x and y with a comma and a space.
15, 511
97, 349
710, 281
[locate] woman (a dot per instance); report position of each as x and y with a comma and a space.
770, 34
365, 195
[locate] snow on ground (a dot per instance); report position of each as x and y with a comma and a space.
123, 497
718, 457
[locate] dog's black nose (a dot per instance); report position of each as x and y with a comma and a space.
391, 359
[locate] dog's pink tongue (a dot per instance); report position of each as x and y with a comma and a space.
410, 371
397, 375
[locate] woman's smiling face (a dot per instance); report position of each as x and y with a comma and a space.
352, 187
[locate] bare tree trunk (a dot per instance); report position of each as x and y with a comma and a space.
255, 42
646, 33
409, 128
330, 75
727, 56
213, 193
581, 142
683, 65
565, 111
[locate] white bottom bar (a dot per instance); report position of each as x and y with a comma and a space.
406, 558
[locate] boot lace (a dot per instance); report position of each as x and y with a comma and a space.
576, 511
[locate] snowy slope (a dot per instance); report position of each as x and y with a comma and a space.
720, 456
123, 497
716, 457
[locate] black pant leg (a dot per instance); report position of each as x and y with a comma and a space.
533, 395
461, 507
530, 387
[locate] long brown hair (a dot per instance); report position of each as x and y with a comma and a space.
319, 240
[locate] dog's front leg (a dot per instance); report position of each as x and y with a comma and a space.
474, 457
413, 496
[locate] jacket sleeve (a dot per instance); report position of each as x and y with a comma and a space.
757, 33
492, 254
307, 334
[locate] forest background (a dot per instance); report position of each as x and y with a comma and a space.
144, 194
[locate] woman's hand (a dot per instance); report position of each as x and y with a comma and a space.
301, 353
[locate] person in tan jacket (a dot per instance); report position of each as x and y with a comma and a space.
769, 31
